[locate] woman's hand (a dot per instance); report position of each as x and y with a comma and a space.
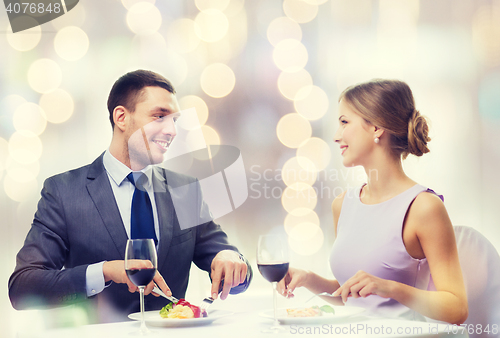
362, 284
293, 279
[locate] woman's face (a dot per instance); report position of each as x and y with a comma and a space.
354, 135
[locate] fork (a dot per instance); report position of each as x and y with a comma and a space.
205, 303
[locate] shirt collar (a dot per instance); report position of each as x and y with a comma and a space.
119, 171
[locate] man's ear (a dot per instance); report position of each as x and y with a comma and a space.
119, 117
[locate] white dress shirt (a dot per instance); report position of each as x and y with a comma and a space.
123, 191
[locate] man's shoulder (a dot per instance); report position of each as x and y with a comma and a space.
82, 173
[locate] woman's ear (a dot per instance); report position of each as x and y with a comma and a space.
378, 132
119, 117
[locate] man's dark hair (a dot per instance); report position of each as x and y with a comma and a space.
128, 89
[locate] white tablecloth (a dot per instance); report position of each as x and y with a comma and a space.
246, 321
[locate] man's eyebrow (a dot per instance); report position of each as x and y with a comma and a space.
161, 109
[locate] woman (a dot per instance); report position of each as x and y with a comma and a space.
391, 233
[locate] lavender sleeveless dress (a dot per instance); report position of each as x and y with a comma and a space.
369, 238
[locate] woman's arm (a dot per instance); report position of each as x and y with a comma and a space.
308, 279
429, 218
429, 221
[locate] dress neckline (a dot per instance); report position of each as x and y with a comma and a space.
358, 195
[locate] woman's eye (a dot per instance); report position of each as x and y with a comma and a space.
343, 121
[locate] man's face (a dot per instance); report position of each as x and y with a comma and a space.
151, 127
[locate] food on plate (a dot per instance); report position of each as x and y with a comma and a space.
182, 310
313, 311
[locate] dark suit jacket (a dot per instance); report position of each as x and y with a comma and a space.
78, 223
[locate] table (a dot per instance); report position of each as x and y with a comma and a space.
245, 321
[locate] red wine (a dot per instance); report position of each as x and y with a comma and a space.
273, 272
141, 277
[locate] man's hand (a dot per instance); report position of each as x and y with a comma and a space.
115, 271
227, 265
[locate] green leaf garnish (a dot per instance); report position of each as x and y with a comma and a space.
327, 308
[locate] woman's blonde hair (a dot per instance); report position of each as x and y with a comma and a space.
389, 104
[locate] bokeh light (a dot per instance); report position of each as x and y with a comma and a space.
299, 10
315, 150
289, 84
234, 8
58, 105
211, 25
25, 147
196, 102
30, 117
44, 75
181, 36
293, 172
4, 153
21, 190
212, 4
220, 51
17, 171
298, 198
306, 239
75, 17
128, 4
312, 105
283, 28
293, 129
217, 80
71, 43
211, 136
152, 53
317, 2
300, 217
290, 55
25, 40
303, 231
144, 18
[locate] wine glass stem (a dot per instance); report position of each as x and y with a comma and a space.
143, 323
275, 304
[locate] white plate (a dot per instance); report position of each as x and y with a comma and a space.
340, 313
153, 318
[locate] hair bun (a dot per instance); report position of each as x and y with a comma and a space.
417, 135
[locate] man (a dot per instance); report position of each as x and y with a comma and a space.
76, 245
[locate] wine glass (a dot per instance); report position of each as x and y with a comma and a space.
140, 265
272, 261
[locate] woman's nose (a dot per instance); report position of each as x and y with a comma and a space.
337, 136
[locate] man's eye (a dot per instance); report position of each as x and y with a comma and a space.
175, 118
159, 117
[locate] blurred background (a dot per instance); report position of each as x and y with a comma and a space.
264, 76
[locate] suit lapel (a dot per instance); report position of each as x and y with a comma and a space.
101, 193
166, 213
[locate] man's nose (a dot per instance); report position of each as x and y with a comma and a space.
169, 127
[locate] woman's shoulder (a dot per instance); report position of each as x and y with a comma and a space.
427, 205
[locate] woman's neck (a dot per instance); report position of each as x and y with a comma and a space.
386, 179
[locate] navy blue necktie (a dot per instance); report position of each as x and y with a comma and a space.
142, 223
